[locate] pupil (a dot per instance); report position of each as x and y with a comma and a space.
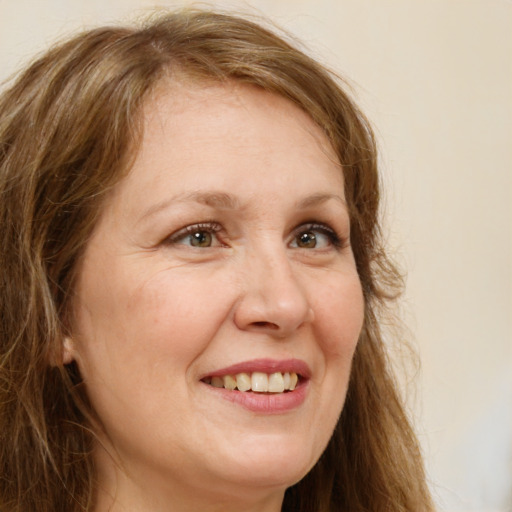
201, 239
307, 239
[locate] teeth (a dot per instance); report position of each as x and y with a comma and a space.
243, 381
258, 382
293, 381
217, 382
276, 382
229, 382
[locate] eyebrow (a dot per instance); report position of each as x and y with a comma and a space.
318, 199
224, 201
218, 200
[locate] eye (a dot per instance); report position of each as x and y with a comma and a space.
200, 239
201, 236
315, 236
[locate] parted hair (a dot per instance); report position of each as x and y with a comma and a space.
70, 126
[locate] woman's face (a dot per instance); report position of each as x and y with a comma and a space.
225, 252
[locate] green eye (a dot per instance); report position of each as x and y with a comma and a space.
200, 236
200, 239
315, 236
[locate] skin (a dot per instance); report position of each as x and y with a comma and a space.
154, 314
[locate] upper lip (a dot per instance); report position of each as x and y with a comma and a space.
265, 366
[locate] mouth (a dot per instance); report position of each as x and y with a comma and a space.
262, 386
266, 376
257, 382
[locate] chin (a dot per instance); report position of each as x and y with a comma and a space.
272, 463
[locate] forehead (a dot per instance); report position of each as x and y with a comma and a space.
230, 137
228, 114
197, 105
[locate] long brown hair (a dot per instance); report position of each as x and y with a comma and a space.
69, 128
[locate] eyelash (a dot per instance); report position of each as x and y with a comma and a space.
213, 227
208, 227
333, 237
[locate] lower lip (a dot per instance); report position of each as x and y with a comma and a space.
266, 403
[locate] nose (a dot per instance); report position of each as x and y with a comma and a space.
272, 299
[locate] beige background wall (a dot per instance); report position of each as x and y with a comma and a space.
435, 76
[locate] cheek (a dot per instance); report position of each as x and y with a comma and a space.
138, 336
132, 319
339, 314
178, 311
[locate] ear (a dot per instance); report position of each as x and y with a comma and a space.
67, 350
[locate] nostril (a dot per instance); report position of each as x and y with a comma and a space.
266, 325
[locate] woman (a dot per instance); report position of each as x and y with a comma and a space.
191, 277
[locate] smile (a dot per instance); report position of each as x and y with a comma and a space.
258, 382
262, 386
